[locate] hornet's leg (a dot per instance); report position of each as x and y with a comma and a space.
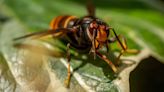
107, 61
107, 47
132, 51
122, 42
67, 80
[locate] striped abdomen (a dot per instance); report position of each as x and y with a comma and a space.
63, 22
76, 40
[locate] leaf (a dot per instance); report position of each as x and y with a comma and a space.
29, 70
7, 80
89, 74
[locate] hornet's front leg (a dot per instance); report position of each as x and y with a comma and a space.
107, 61
122, 42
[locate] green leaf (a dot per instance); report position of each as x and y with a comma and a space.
7, 80
144, 33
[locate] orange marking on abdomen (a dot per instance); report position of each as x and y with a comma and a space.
55, 21
68, 20
61, 20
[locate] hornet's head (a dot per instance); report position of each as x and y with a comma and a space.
98, 33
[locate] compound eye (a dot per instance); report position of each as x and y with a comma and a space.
94, 25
